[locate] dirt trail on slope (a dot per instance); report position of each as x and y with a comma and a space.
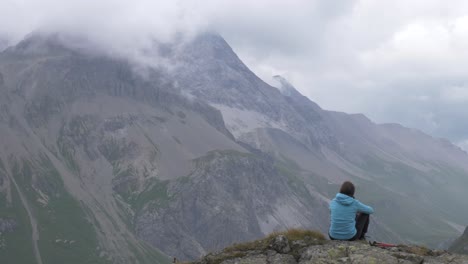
32, 219
97, 195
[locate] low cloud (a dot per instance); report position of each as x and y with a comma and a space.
394, 60
464, 145
458, 94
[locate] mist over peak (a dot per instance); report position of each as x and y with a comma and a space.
3, 44
145, 57
283, 85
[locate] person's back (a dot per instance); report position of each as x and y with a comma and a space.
349, 217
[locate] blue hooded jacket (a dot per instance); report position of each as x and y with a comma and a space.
343, 211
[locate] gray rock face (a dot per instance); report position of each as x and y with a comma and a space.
334, 252
460, 245
276, 258
345, 252
7, 225
226, 189
281, 244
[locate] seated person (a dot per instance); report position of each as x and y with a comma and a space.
349, 217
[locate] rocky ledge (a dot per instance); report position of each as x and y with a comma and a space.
307, 247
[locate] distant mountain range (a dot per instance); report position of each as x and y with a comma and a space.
106, 161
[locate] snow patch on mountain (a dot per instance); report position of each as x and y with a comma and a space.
239, 121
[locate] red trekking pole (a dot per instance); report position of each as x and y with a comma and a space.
382, 245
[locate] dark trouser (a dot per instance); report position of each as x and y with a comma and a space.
362, 223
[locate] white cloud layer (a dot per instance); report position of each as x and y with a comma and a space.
464, 145
395, 60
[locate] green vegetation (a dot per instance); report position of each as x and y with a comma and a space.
155, 195
417, 219
65, 233
124, 181
291, 234
299, 234
228, 154
418, 250
17, 246
147, 254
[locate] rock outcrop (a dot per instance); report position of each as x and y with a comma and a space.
303, 248
461, 244
7, 225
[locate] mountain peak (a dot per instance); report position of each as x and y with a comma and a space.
40, 43
209, 47
282, 84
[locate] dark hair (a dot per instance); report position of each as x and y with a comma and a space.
347, 188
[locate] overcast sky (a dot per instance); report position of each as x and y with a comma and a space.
403, 61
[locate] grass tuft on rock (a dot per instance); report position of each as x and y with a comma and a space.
293, 234
420, 250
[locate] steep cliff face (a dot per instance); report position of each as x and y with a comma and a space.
229, 196
105, 161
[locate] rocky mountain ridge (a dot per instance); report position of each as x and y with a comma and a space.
304, 249
460, 245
